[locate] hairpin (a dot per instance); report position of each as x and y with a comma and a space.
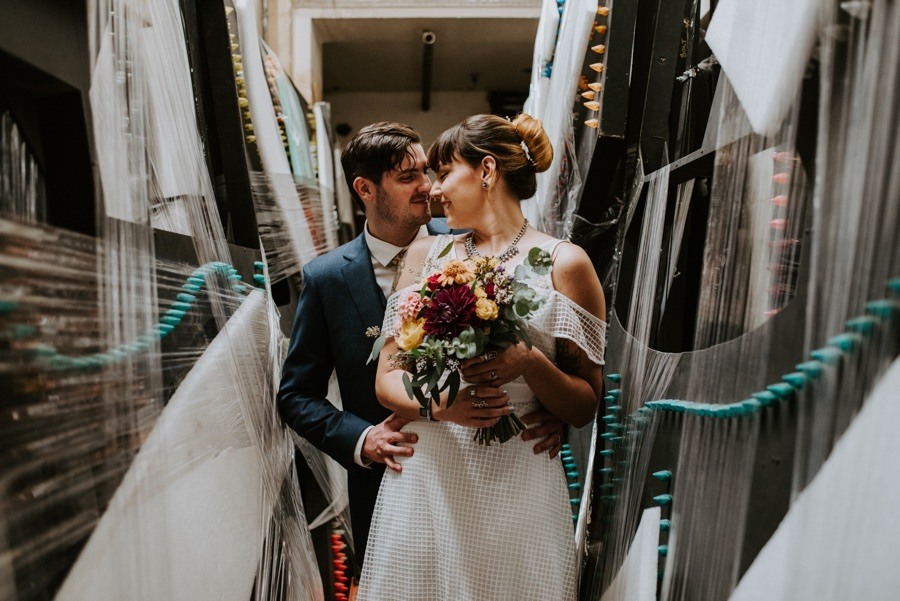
525, 150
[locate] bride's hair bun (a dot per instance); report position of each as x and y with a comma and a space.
532, 133
521, 147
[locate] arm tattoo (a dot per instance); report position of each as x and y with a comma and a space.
567, 360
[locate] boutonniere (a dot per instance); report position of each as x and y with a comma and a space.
373, 331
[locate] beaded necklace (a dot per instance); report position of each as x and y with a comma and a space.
511, 251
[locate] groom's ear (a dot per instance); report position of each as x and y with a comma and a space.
365, 189
488, 168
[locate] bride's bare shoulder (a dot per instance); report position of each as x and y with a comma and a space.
574, 276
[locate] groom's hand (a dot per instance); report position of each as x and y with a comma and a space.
383, 442
547, 429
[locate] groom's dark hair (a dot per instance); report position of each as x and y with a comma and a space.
375, 150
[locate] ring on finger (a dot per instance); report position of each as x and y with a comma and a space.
479, 403
489, 355
492, 375
472, 392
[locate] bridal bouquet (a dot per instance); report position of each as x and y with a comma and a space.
459, 312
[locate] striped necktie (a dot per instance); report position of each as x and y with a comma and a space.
397, 265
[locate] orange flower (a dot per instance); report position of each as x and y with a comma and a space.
455, 272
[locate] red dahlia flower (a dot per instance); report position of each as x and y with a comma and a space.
452, 310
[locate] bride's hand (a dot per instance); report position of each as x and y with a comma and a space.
475, 407
496, 368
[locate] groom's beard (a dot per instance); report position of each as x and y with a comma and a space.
402, 213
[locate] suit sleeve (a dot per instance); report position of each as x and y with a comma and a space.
302, 398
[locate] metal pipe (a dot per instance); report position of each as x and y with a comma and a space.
428, 39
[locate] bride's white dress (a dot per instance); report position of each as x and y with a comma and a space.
478, 523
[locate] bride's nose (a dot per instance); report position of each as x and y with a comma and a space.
435, 193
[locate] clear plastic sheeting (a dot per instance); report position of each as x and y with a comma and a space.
177, 500
559, 188
196, 501
839, 539
788, 345
636, 581
856, 213
757, 214
542, 60
266, 129
764, 47
325, 157
277, 221
22, 192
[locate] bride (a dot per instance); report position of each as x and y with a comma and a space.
463, 521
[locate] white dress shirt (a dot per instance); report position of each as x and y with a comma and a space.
381, 253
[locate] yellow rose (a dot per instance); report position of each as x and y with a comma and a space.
411, 334
479, 292
486, 309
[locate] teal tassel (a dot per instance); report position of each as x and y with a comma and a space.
847, 342
796, 379
882, 308
765, 397
663, 475
865, 324
782, 390
828, 354
614, 377
665, 499
813, 369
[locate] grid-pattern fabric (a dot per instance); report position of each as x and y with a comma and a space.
471, 523
475, 523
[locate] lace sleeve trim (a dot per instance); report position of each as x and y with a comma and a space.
560, 317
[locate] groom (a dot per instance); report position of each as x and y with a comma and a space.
344, 295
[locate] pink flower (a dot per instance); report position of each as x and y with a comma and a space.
452, 310
410, 306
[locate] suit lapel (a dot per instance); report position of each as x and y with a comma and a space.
360, 281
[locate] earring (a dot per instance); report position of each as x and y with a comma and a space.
484, 185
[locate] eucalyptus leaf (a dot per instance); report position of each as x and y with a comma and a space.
407, 384
454, 387
376, 349
446, 250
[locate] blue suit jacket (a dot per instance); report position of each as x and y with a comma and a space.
339, 300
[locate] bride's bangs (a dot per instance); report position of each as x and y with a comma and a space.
446, 148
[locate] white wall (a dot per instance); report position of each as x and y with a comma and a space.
447, 109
